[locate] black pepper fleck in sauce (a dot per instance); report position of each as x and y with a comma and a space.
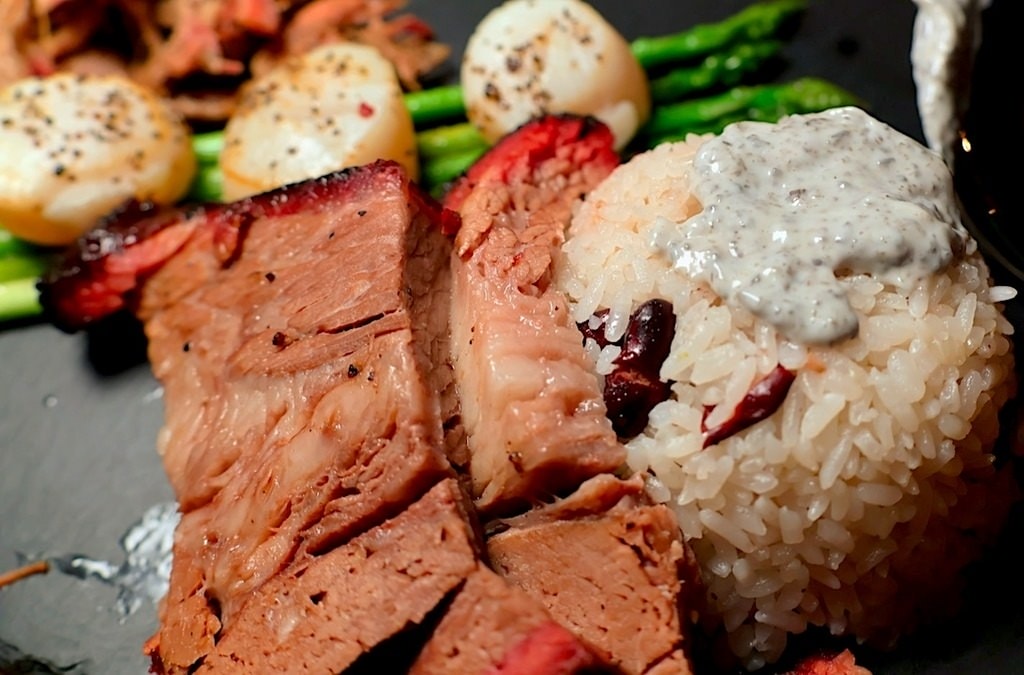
780, 227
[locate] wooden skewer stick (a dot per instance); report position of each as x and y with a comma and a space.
23, 572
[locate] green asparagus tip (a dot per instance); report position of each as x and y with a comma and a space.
13, 246
726, 68
16, 267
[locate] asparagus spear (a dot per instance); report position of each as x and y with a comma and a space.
17, 267
208, 184
766, 102
448, 140
433, 106
721, 69
207, 146
11, 245
439, 171
753, 23
20, 267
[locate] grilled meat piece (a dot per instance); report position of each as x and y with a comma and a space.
531, 405
302, 340
101, 272
493, 627
322, 612
300, 337
610, 567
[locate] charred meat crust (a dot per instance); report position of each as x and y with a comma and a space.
103, 271
516, 156
99, 274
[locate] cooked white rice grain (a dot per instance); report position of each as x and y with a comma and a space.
855, 505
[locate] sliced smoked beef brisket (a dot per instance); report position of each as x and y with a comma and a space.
300, 337
322, 612
493, 627
604, 561
303, 417
531, 405
608, 566
317, 419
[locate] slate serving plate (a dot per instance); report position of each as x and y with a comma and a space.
79, 414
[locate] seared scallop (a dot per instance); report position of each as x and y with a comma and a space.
73, 148
337, 106
532, 57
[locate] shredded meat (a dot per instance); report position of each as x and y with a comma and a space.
197, 52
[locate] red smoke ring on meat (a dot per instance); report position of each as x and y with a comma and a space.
530, 145
99, 274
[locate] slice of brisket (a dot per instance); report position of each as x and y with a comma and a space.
309, 342
604, 561
493, 627
301, 339
322, 612
531, 404
312, 420
610, 567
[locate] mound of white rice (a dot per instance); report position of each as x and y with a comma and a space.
858, 502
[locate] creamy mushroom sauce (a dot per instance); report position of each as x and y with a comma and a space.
789, 207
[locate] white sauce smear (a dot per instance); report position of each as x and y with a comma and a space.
790, 206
